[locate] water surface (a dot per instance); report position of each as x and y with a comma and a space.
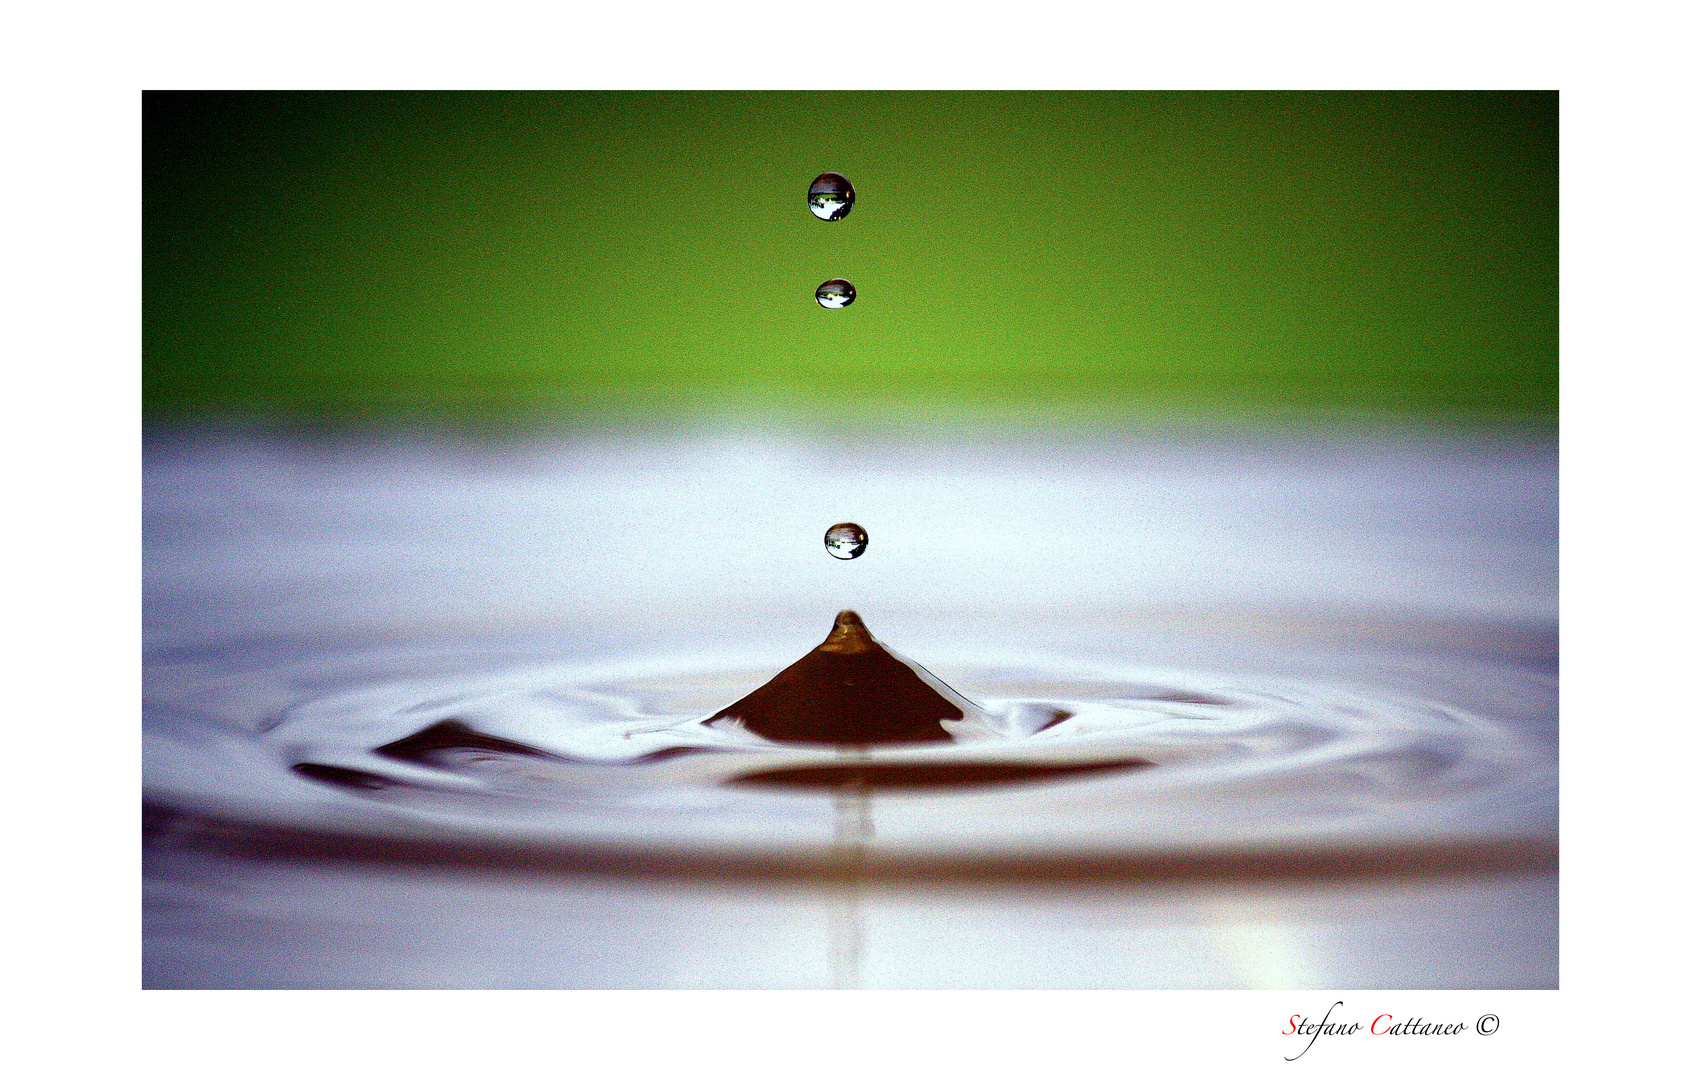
400, 676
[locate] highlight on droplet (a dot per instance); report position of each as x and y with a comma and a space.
831, 196
846, 540
835, 294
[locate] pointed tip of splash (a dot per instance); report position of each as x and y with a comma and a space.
849, 635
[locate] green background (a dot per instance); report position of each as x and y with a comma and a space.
640, 253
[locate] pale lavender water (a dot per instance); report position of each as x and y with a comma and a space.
1338, 650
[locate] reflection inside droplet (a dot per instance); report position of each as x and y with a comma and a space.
831, 196
835, 294
846, 540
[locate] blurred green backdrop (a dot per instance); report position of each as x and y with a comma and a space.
490, 252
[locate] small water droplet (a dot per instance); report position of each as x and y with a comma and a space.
846, 540
831, 196
835, 294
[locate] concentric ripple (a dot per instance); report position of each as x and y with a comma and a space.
1089, 763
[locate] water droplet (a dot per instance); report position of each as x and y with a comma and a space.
846, 540
831, 196
835, 294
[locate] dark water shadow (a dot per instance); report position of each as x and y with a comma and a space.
932, 774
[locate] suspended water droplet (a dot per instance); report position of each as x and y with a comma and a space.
831, 196
846, 540
835, 294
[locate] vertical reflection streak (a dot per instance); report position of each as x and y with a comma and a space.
853, 827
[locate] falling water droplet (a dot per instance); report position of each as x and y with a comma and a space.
831, 196
835, 294
846, 540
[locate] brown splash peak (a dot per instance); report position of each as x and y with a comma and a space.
850, 691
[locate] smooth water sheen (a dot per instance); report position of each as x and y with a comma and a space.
423, 712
